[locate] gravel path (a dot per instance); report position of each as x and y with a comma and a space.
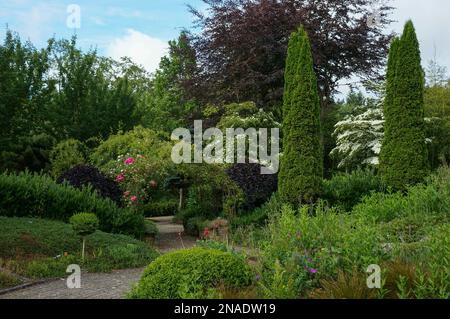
113, 285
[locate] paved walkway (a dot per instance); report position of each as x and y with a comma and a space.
93, 286
114, 285
171, 235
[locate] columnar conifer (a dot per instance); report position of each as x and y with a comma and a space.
403, 158
301, 171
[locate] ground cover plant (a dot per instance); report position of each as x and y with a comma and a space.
39, 248
34, 195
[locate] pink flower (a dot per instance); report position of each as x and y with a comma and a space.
311, 270
126, 194
133, 198
120, 178
129, 161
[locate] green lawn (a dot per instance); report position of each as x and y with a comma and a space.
36, 248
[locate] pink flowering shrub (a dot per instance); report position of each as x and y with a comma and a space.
139, 177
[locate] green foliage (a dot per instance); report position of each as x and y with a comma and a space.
95, 95
191, 273
8, 280
404, 158
309, 248
301, 167
168, 103
290, 73
150, 228
137, 141
27, 152
143, 175
211, 193
84, 224
67, 154
429, 199
29, 246
160, 207
260, 215
33, 195
437, 112
347, 190
25, 95
193, 225
347, 285
319, 253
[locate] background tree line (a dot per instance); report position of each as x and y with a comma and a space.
236, 54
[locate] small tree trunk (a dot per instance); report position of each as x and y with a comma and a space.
82, 250
180, 204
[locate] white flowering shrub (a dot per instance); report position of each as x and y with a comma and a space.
359, 137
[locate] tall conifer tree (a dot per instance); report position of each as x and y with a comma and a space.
403, 158
301, 171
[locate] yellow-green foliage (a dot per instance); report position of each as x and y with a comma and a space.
66, 155
192, 273
404, 158
301, 169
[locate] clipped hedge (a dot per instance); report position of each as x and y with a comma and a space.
190, 273
160, 207
33, 195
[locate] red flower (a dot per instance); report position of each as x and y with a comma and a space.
120, 178
129, 161
206, 232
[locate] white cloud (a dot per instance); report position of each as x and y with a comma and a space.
98, 21
140, 47
37, 20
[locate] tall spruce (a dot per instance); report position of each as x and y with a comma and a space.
301, 170
291, 68
403, 158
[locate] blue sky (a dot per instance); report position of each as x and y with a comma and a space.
141, 28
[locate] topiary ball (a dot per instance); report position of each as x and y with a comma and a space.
191, 272
84, 223
83, 175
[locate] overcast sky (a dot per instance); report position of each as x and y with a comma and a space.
141, 29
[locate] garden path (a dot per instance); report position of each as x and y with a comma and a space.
113, 285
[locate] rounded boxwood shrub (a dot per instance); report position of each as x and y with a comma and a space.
84, 223
191, 272
257, 187
83, 175
34, 195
